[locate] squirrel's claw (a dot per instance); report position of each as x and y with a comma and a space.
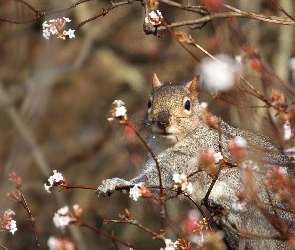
108, 186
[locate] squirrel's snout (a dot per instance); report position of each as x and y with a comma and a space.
163, 120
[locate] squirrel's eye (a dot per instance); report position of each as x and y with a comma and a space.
149, 104
187, 105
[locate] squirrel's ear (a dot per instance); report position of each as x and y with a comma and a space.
156, 82
194, 88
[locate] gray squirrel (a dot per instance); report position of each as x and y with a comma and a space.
177, 134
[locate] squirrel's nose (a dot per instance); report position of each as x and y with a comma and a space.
163, 120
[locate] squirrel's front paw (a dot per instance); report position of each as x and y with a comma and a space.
108, 186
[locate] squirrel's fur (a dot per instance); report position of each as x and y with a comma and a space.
173, 111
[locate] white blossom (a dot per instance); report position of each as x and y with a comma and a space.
189, 188
118, 103
9, 212
57, 27
46, 33
240, 142
154, 18
61, 218
217, 157
52, 243
120, 111
53, 30
170, 245
135, 192
67, 19
219, 75
180, 181
63, 211
155, 14
239, 58
204, 105
7, 222
70, 33
287, 131
13, 227
197, 239
292, 63
55, 178
239, 206
55, 243
45, 25
249, 165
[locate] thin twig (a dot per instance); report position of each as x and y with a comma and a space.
39, 14
136, 223
105, 12
177, 39
67, 8
249, 235
22, 200
28, 5
197, 9
80, 187
130, 125
32, 218
162, 198
237, 104
282, 9
200, 209
214, 16
270, 19
110, 236
3, 247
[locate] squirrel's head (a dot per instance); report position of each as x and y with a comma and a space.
172, 109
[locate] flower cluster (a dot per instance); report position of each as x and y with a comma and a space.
194, 227
62, 218
190, 221
55, 243
183, 37
217, 157
207, 161
181, 183
278, 100
249, 164
7, 222
170, 245
138, 190
225, 70
237, 148
205, 117
281, 184
287, 131
240, 201
56, 178
57, 27
77, 210
154, 18
119, 111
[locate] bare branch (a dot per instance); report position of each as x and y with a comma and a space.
282, 9
112, 237
260, 17
105, 12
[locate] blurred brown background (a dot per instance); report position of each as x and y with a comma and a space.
55, 98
